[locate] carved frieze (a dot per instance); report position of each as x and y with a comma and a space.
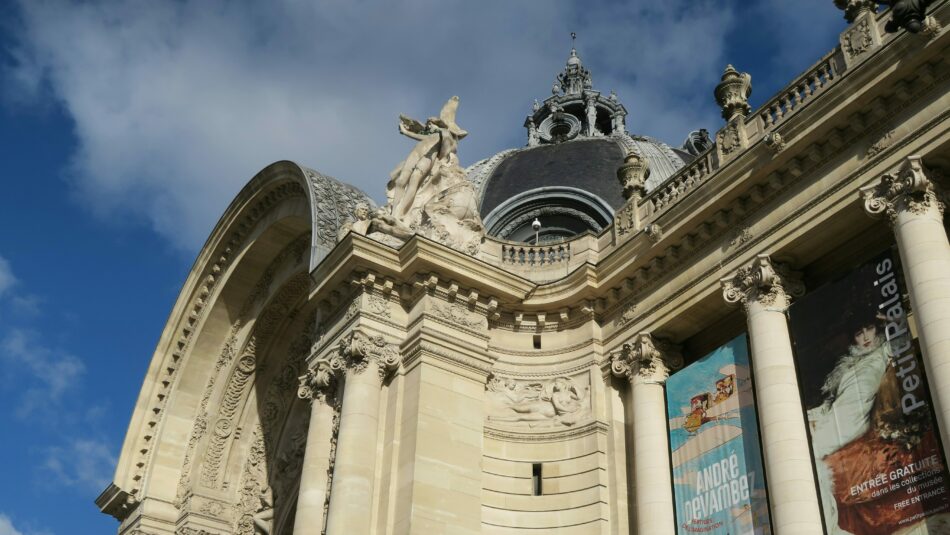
256, 496
551, 403
224, 424
457, 314
882, 144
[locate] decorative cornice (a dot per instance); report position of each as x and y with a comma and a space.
765, 282
560, 435
644, 360
907, 189
358, 349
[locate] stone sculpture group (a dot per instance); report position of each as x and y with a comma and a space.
427, 193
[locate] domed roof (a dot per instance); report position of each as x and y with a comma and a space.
566, 177
576, 178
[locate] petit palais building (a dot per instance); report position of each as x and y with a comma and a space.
593, 333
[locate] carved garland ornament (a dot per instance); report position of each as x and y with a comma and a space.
456, 314
908, 189
858, 40
645, 360
765, 282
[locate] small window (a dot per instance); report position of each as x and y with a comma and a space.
536, 479
537, 341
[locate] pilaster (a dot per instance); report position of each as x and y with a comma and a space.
446, 364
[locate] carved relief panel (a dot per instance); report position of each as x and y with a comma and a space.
553, 403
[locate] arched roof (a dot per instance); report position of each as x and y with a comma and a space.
263, 225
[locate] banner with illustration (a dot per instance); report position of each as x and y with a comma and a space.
714, 438
873, 438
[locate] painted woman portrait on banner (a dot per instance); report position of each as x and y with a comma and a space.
717, 458
874, 441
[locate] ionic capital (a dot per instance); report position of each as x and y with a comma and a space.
358, 349
321, 380
645, 360
910, 189
765, 282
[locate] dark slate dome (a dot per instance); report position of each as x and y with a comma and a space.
565, 181
570, 187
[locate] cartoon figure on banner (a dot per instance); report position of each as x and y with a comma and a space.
717, 465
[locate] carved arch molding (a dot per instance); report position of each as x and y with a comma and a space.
224, 376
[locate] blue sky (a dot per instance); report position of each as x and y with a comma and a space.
127, 127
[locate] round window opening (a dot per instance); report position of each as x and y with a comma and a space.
563, 213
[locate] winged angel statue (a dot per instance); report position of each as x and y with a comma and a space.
428, 193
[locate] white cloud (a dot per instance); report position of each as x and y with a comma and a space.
6, 526
177, 104
7, 280
50, 373
83, 463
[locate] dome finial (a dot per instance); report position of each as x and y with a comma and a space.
575, 78
574, 59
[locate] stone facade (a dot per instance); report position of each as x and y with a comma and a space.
307, 386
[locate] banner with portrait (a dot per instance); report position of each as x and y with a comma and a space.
714, 439
874, 441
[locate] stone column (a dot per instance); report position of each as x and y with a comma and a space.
319, 386
764, 288
647, 367
368, 361
909, 199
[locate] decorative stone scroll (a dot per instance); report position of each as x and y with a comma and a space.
358, 349
321, 381
909, 189
645, 360
561, 401
768, 283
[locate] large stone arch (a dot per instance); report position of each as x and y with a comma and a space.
251, 276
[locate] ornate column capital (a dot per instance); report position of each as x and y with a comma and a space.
358, 349
768, 283
645, 360
853, 8
321, 380
908, 188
